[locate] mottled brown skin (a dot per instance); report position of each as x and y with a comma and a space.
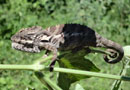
64, 37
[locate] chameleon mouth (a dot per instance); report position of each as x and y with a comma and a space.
24, 47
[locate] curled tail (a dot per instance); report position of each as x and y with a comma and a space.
114, 48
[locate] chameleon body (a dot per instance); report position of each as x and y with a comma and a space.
64, 37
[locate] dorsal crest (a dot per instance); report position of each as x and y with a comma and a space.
56, 29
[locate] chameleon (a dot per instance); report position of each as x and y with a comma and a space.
64, 37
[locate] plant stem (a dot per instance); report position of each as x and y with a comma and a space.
19, 67
94, 74
63, 70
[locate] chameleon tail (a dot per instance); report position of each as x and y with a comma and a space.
115, 49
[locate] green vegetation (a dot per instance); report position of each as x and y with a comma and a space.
110, 18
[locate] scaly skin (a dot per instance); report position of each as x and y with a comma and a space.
64, 37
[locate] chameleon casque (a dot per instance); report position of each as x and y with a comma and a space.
64, 37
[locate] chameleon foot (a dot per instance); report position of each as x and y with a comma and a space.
52, 65
51, 68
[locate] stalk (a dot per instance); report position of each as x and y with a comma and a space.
63, 70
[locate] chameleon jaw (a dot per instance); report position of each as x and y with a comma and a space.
25, 47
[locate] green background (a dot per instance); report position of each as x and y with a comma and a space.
110, 18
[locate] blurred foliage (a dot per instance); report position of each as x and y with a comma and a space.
110, 18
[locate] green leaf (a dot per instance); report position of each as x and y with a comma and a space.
127, 51
74, 61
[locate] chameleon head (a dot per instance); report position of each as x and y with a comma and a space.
23, 40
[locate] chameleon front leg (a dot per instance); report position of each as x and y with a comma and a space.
54, 58
53, 49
